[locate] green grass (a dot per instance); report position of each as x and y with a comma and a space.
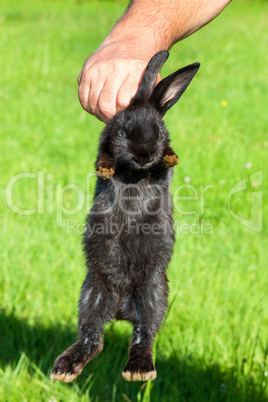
213, 343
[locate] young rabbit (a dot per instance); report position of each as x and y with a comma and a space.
129, 236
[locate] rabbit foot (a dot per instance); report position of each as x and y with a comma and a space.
71, 362
66, 369
170, 160
105, 173
65, 377
140, 366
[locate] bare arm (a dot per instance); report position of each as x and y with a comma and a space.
110, 77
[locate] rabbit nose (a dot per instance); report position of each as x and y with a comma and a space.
146, 159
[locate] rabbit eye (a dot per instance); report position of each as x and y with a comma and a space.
160, 134
124, 130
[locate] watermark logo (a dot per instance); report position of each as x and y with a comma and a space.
255, 220
49, 197
132, 227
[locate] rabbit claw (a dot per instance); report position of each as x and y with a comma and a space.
139, 376
105, 173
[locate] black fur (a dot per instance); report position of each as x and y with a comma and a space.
129, 236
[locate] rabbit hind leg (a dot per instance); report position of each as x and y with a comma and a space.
96, 307
150, 304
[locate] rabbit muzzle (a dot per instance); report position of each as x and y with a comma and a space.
143, 161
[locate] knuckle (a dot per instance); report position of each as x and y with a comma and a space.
106, 110
93, 102
126, 93
122, 103
79, 78
83, 100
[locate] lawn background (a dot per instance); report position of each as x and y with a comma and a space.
213, 343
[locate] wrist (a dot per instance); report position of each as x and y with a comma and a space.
141, 41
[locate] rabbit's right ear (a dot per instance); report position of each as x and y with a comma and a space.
149, 77
169, 90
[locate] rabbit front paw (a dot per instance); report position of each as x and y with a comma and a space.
106, 166
170, 159
105, 172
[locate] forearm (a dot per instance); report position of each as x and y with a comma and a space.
158, 24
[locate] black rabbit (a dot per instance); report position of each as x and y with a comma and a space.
129, 236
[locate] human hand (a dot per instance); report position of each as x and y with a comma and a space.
110, 78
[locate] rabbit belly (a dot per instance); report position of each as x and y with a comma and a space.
127, 250
129, 231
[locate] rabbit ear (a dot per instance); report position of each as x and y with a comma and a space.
149, 77
169, 90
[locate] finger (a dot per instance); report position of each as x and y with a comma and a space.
129, 88
126, 92
83, 94
79, 77
96, 86
108, 96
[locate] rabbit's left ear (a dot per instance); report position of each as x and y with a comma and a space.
149, 77
169, 90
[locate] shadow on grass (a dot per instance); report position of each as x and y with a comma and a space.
184, 379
